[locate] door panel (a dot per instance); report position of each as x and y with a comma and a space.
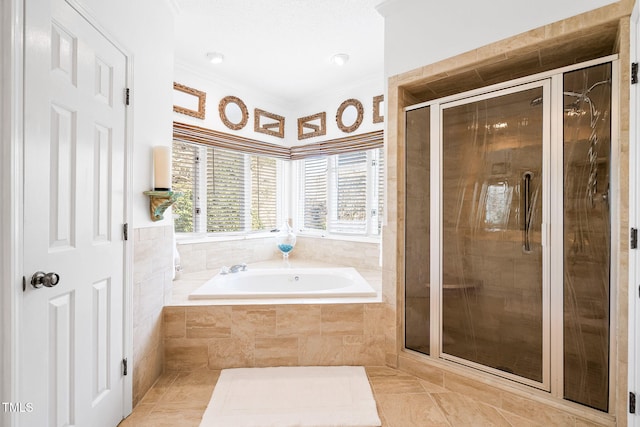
71, 338
492, 287
417, 231
587, 235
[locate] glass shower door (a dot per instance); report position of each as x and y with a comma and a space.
417, 232
492, 287
587, 234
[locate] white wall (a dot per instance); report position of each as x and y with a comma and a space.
363, 91
419, 32
218, 89
145, 28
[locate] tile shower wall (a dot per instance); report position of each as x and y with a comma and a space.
152, 276
218, 337
212, 255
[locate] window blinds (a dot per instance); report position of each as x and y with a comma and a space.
264, 191
198, 135
226, 202
350, 197
315, 193
185, 180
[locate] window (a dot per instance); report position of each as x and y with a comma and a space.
239, 185
342, 193
224, 191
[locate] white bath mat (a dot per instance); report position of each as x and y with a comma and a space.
335, 396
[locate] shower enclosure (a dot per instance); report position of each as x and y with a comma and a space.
507, 239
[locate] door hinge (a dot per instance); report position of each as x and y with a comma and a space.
124, 367
125, 230
126, 96
634, 73
632, 402
633, 240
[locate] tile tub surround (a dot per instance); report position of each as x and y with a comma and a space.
207, 255
152, 276
179, 399
242, 336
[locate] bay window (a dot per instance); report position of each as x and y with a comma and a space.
235, 185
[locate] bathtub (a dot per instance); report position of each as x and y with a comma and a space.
278, 283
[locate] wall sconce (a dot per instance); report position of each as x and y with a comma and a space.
161, 197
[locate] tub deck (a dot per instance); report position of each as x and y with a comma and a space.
188, 283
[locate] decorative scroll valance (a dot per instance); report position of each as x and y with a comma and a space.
198, 135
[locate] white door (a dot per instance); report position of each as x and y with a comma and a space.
71, 334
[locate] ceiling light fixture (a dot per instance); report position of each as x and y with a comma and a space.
340, 59
215, 57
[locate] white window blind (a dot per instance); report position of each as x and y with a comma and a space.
225, 191
264, 193
239, 191
380, 189
314, 183
350, 196
342, 193
184, 180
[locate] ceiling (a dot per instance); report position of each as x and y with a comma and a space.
282, 48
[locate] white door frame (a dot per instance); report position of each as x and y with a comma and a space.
11, 49
12, 196
634, 222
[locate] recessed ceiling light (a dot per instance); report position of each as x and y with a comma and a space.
215, 57
340, 59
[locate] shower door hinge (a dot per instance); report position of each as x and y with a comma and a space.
633, 241
634, 73
124, 367
632, 402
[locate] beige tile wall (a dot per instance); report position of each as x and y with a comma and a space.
218, 337
365, 255
152, 276
212, 255
196, 257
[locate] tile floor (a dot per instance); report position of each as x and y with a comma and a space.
178, 399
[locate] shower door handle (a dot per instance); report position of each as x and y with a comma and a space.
526, 235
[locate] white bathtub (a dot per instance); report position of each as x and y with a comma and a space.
286, 283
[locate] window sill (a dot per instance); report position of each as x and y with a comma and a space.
190, 238
343, 237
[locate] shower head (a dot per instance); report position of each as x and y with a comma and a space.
579, 95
